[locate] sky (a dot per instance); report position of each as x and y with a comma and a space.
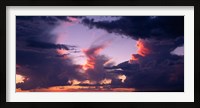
99, 53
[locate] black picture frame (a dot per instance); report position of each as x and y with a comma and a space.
3, 61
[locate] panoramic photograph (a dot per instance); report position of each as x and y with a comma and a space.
99, 54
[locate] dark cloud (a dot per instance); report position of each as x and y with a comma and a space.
157, 75
45, 70
46, 45
41, 70
155, 71
160, 27
35, 54
33, 28
158, 46
153, 68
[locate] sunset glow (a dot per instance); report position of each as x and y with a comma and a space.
61, 51
99, 53
78, 89
122, 78
88, 65
106, 81
133, 58
142, 49
20, 78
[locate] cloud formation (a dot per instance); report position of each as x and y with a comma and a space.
160, 27
152, 68
36, 50
45, 45
154, 71
94, 67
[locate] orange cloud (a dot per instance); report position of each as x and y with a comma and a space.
122, 78
106, 81
89, 64
91, 55
88, 82
77, 82
78, 89
20, 90
142, 49
63, 52
74, 82
133, 58
20, 78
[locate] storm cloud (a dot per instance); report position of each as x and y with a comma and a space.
45, 45
45, 63
36, 50
158, 27
155, 69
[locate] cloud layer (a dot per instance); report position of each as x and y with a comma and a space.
159, 27
44, 63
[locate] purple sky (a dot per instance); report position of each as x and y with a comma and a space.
74, 33
107, 53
